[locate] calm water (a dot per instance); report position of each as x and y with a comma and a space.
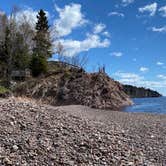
148, 105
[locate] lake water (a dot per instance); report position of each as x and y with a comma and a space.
148, 105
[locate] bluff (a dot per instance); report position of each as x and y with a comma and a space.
140, 92
70, 85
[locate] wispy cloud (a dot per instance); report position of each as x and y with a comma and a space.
116, 54
150, 9
116, 14
160, 63
140, 81
106, 34
99, 28
127, 2
128, 78
159, 29
144, 69
161, 76
162, 11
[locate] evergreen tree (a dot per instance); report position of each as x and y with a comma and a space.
38, 65
42, 38
42, 50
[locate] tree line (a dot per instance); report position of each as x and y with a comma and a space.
22, 46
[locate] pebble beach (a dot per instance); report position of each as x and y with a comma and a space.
34, 134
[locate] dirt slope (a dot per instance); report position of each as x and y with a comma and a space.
96, 90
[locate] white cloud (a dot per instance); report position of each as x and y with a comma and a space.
116, 14
74, 47
106, 34
29, 15
153, 84
117, 54
160, 63
159, 29
70, 17
137, 80
161, 76
128, 78
99, 28
144, 69
127, 2
162, 11
151, 9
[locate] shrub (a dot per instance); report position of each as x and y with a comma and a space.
3, 90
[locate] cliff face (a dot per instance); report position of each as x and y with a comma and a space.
135, 92
74, 86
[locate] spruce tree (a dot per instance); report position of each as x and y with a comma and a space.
42, 37
42, 49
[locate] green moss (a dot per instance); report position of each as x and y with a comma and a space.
3, 90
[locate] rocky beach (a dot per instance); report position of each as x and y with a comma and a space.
32, 134
82, 83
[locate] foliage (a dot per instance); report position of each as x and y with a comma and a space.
21, 57
3, 90
38, 65
42, 45
42, 38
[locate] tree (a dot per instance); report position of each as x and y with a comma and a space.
42, 50
14, 50
3, 58
8, 55
38, 65
42, 39
21, 56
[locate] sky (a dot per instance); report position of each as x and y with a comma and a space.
128, 37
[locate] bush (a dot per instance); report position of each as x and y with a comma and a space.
38, 65
3, 90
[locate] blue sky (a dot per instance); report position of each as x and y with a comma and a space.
127, 36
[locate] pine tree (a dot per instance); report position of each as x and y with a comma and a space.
43, 45
42, 37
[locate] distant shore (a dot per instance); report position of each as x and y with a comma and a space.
32, 133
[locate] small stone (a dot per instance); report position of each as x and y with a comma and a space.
7, 161
15, 147
152, 136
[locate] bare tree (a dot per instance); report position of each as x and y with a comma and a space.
60, 52
79, 60
101, 69
76, 60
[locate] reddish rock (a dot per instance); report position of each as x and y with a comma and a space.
95, 90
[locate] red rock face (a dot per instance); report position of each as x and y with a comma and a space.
95, 90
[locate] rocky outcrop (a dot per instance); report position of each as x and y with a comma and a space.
75, 86
135, 92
